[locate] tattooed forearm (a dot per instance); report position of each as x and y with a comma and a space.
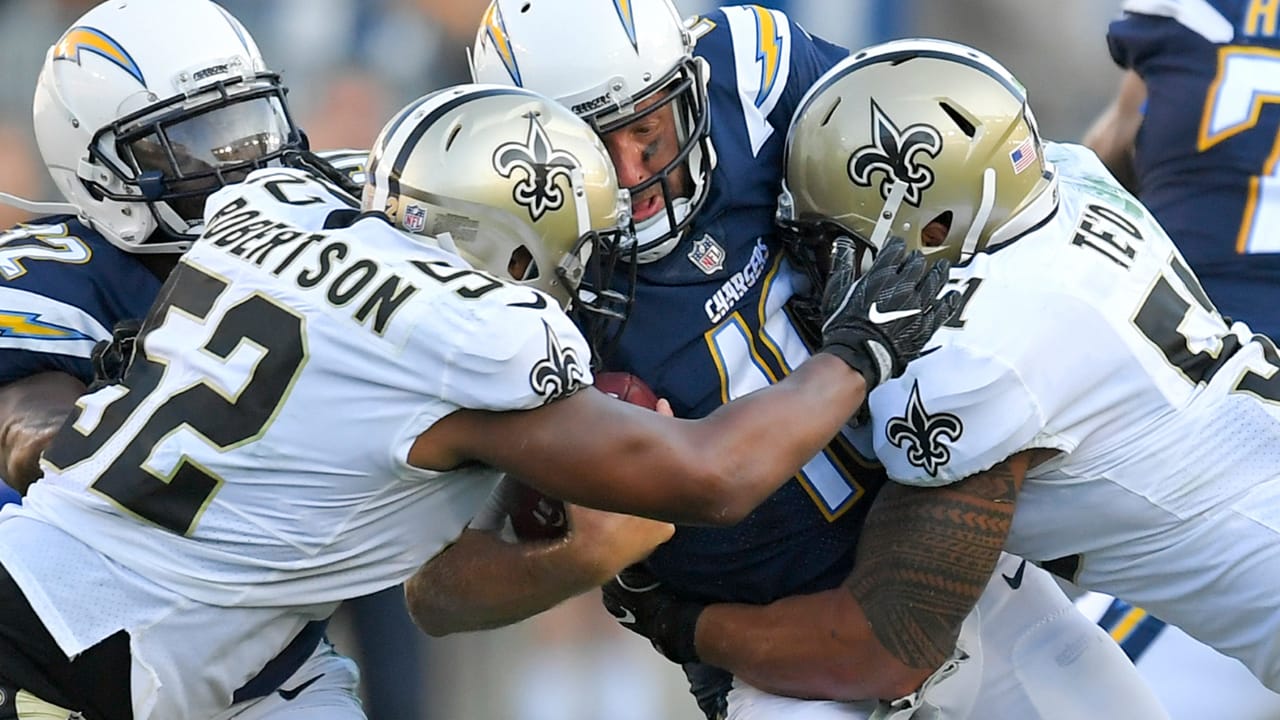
925, 556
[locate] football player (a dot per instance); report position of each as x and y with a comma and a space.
320, 399
1059, 405
141, 110
697, 132
1185, 133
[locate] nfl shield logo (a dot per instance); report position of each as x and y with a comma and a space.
707, 255
415, 218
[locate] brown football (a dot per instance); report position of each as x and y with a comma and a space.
627, 387
535, 516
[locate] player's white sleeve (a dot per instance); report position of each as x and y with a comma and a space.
501, 354
953, 413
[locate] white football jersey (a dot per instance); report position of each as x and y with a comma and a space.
1087, 334
256, 454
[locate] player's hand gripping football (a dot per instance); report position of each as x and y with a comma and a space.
643, 605
879, 322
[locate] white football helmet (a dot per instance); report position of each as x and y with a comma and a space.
601, 59
517, 185
901, 135
143, 108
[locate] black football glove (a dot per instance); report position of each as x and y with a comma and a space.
111, 358
639, 602
879, 322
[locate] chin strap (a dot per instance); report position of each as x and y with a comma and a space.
38, 208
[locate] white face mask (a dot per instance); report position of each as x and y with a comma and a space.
650, 229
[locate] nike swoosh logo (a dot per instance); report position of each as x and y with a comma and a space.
539, 302
1015, 582
626, 618
879, 317
291, 694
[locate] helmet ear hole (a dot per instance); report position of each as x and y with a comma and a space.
521, 265
934, 233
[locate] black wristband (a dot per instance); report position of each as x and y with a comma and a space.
858, 359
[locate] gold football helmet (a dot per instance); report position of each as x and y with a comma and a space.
521, 187
926, 140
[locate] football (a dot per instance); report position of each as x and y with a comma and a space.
535, 516
628, 388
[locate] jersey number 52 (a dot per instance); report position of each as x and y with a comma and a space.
123, 438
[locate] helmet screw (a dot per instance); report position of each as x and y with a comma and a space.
75, 122
127, 212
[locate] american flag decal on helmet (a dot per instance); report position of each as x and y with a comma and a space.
1023, 155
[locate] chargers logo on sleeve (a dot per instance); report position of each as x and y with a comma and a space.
28, 326
496, 32
628, 20
82, 39
769, 51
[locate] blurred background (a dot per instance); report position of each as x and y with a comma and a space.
349, 65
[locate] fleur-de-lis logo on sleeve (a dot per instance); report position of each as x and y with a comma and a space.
924, 433
543, 165
560, 373
893, 152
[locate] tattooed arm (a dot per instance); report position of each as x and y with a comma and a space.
923, 559
926, 554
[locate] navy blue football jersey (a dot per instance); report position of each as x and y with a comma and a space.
711, 322
62, 288
1208, 148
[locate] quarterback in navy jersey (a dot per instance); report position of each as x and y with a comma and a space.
737, 333
734, 331
1194, 126
694, 115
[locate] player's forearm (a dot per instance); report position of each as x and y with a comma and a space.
806, 409
31, 412
482, 582
808, 646
925, 555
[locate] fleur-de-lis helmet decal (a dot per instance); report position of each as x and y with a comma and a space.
894, 152
925, 433
539, 191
